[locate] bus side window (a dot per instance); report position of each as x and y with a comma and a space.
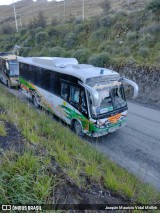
74, 94
64, 90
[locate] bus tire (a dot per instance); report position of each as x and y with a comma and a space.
9, 84
35, 102
78, 128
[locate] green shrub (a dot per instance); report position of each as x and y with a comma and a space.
81, 55
8, 47
27, 41
147, 40
78, 28
23, 31
154, 6
143, 51
44, 52
24, 51
52, 32
98, 35
41, 37
56, 52
70, 40
131, 36
38, 29
126, 51
100, 60
105, 21
104, 46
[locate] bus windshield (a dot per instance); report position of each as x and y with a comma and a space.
14, 68
111, 100
111, 97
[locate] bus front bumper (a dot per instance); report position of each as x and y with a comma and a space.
110, 130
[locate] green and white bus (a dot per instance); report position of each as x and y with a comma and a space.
90, 99
9, 69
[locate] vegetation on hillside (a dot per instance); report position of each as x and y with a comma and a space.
122, 37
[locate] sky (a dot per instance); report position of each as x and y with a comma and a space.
7, 2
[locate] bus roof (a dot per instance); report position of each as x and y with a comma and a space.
69, 66
8, 56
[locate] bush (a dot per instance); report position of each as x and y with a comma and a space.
131, 36
70, 40
23, 31
100, 60
147, 40
8, 47
43, 52
78, 28
98, 35
56, 52
52, 32
105, 21
126, 52
81, 55
154, 6
104, 46
143, 51
38, 29
24, 52
40, 37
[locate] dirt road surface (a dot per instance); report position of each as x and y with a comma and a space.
136, 147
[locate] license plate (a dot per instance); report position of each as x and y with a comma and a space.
113, 129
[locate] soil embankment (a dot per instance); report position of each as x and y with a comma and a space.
148, 80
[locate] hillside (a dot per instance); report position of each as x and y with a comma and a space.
119, 36
27, 9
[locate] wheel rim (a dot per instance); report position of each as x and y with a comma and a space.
77, 128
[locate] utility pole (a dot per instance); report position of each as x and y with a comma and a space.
64, 10
83, 11
15, 15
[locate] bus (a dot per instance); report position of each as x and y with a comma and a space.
9, 69
90, 99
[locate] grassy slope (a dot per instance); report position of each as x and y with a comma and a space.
76, 158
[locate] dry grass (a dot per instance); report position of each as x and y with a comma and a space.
27, 9
3, 131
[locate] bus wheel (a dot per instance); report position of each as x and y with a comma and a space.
78, 128
35, 102
9, 84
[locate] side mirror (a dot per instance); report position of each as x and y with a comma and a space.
133, 84
94, 94
7, 66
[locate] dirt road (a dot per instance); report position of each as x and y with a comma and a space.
135, 147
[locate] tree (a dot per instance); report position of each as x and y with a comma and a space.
39, 21
105, 5
154, 6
